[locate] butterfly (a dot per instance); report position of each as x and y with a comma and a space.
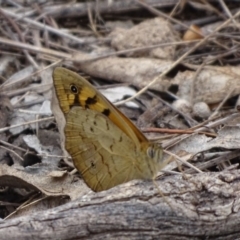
105, 146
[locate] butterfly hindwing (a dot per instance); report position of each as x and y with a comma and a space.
100, 150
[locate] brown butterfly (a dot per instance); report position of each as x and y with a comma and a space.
106, 147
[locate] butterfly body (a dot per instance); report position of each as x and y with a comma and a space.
106, 147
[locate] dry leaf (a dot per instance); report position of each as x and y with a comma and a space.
41, 180
138, 72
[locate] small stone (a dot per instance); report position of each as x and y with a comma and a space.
182, 105
201, 109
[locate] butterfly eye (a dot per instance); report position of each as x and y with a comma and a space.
74, 89
151, 152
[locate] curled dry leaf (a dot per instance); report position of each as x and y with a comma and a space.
42, 180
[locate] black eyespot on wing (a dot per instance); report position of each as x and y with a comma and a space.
106, 112
91, 100
74, 89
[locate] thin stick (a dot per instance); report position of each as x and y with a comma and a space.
182, 161
46, 27
26, 123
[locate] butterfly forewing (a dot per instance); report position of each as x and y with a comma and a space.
88, 97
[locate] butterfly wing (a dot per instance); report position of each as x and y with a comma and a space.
88, 97
103, 153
